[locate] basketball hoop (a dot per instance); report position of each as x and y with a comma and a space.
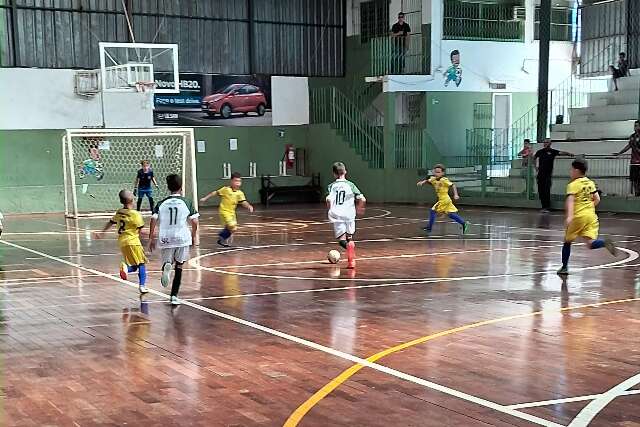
143, 87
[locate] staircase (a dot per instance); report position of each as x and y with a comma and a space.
609, 115
330, 105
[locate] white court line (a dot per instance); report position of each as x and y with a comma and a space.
319, 347
590, 411
566, 400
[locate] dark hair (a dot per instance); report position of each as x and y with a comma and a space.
454, 52
339, 168
174, 182
580, 165
637, 122
527, 140
623, 54
144, 162
401, 14
439, 166
236, 175
125, 196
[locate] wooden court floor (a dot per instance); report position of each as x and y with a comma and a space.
427, 331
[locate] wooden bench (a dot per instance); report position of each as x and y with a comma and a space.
272, 193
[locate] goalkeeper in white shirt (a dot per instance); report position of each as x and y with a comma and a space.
343, 200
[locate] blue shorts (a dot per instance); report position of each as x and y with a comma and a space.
145, 192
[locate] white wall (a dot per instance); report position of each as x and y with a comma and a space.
34, 98
483, 62
289, 100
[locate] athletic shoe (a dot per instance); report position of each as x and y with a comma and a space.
564, 271
351, 255
611, 247
427, 229
166, 271
465, 228
143, 289
175, 300
123, 271
223, 243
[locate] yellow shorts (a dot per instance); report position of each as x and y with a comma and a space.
133, 255
444, 207
229, 220
582, 226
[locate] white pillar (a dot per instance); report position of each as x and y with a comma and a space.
529, 25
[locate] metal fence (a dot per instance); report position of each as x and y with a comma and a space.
481, 21
604, 27
390, 56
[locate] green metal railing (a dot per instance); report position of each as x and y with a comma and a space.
390, 56
329, 105
480, 21
415, 149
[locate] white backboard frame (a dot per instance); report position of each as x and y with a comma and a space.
107, 62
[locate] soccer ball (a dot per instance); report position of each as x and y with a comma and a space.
333, 256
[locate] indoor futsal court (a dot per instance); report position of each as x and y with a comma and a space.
426, 331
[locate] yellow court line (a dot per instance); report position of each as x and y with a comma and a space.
303, 409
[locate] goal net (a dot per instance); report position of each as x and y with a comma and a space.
98, 163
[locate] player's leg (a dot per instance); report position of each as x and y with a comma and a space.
167, 262
457, 218
128, 263
590, 233
340, 232
351, 245
432, 220
181, 256
140, 197
230, 227
142, 277
151, 202
566, 254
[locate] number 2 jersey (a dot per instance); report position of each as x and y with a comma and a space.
342, 198
128, 223
582, 189
174, 215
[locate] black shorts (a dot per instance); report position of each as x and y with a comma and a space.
634, 173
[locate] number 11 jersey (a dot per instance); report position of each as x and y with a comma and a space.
342, 198
174, 226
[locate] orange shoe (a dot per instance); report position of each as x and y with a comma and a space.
351, 255
123, 271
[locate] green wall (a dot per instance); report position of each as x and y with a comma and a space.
31, 178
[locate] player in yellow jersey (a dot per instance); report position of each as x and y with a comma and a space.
129, 223
581, 220
230, 197
444, 205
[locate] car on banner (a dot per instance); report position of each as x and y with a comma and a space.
235, 98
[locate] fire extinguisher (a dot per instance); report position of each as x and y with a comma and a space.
289, 155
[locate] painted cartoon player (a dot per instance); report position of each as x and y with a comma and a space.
454, 72
92, 165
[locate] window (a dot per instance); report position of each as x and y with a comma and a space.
561, 24
466, 20
374, 19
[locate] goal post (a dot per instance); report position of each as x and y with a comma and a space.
98, 163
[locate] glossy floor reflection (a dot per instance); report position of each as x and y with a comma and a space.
455, 331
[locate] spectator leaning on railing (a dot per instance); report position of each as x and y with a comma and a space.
634, 168
399, 44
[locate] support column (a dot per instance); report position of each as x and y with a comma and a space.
529, 23
543, 69
389, 130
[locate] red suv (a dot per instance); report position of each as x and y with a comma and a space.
235, 98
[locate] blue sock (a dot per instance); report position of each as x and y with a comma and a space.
457, 218
131, 268
142, 274
224, 234
566, 253
432, 219
597, 244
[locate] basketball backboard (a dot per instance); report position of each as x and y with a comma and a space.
125, 65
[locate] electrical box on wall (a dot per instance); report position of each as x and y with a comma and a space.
497, 85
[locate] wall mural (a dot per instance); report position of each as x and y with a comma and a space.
454, 72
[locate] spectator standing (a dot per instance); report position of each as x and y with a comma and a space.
527, 154
634, 168
400, 32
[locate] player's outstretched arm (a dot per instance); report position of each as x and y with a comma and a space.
208, 196
194, 230
456, 196
596, 199
100, 234
361, 204
153, 179
247, 206
422, 182
135, 185
624, 150
152, 234
569, 208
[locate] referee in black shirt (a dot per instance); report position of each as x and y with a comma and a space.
545, 158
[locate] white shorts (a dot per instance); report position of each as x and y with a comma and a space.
342, 227
172, 255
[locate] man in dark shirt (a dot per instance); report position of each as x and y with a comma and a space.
545, 158
400, 44
634, 167
621, 71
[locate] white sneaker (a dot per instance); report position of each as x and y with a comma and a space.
166, 271
175, 300
143, 289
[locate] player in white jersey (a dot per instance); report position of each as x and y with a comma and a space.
177, 223
342, 197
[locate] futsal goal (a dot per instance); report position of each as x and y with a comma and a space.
98, 163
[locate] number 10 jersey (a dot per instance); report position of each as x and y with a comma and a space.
174, 215
342, 198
